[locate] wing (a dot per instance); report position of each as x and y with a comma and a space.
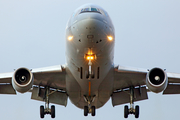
126, 77
5, 83
174, 84
52, 77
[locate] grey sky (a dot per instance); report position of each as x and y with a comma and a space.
32, 35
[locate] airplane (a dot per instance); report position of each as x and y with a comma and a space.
89, 78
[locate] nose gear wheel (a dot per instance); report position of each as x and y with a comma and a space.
89, 109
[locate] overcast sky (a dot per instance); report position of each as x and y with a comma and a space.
32, 35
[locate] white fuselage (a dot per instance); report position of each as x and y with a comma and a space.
87, 33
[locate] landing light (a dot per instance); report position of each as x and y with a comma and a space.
90, 57
70, 38
110, 38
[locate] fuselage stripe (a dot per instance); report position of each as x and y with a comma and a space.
89, 88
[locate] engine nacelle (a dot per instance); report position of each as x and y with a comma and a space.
22, 80
156, 80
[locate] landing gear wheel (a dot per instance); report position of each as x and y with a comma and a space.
92, 75
93, 109
137, 111
86, 111
126, 111
42, 111
52, 111
87, 74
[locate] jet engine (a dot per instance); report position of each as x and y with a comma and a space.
22, 80
156, 80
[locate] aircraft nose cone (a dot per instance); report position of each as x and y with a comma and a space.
90, 25
91, 31
90, 16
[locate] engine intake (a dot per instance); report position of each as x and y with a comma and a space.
156, 80
22, 80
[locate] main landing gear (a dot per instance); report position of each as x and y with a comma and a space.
89, 108
131, 110
46, 110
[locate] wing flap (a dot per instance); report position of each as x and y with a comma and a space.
56, 97
6, 77
5, 83
123, 97
172, 89
7, 89
173, 77
173, 86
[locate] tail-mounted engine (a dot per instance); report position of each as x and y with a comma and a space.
22, 80
156, 80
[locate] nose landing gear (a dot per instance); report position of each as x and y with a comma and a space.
90, 72
89, 108
90, 57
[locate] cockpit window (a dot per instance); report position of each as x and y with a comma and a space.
85, 10
90, 10
94, 9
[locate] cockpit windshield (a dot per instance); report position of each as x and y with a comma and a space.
90, 10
